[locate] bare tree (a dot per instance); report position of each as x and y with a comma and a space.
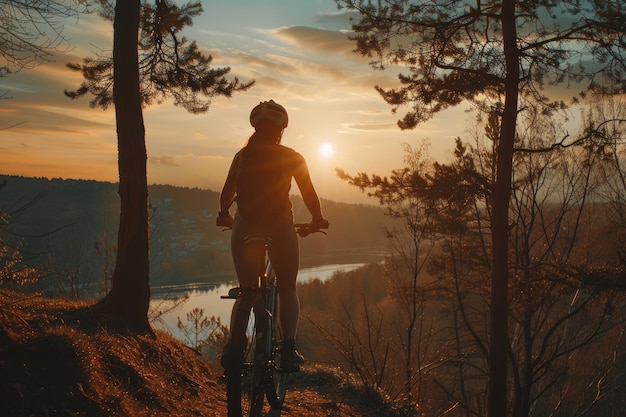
404, 197
365, 345
496, 55
13, 271
30, 31
556, 313
555, 316
610, 145
199, 329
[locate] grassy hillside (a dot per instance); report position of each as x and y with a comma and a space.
55, 360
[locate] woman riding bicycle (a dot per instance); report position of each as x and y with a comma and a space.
259, 180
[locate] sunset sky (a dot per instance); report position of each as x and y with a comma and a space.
299, 55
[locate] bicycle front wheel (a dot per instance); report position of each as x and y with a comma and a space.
277, 378
246, 378
277, 384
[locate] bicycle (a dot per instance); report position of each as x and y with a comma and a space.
253, 368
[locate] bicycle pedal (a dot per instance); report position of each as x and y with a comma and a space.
233, 293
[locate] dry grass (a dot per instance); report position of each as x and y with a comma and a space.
55, 360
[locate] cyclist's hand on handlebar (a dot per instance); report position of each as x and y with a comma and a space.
224, 221
313, 227
319, 224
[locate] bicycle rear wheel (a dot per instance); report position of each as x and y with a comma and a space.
246, 377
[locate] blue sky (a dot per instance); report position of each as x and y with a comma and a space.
299, 55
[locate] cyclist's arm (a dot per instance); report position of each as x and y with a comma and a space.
309, 195
230, 185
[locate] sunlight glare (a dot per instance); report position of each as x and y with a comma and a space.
326, 150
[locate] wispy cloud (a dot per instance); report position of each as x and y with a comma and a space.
369, 127
163, 161
214, 157
31, 118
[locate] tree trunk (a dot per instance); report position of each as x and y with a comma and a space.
129, 297
497, 397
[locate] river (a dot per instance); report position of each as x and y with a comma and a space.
208, 297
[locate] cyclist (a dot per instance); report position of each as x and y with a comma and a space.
259, 180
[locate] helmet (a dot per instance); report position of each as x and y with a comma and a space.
271, 111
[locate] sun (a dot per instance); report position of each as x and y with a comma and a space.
326, 150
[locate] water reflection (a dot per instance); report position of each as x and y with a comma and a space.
208, 297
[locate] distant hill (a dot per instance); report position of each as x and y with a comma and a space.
69, 229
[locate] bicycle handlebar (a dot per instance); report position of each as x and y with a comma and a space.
305, 229
302, 229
